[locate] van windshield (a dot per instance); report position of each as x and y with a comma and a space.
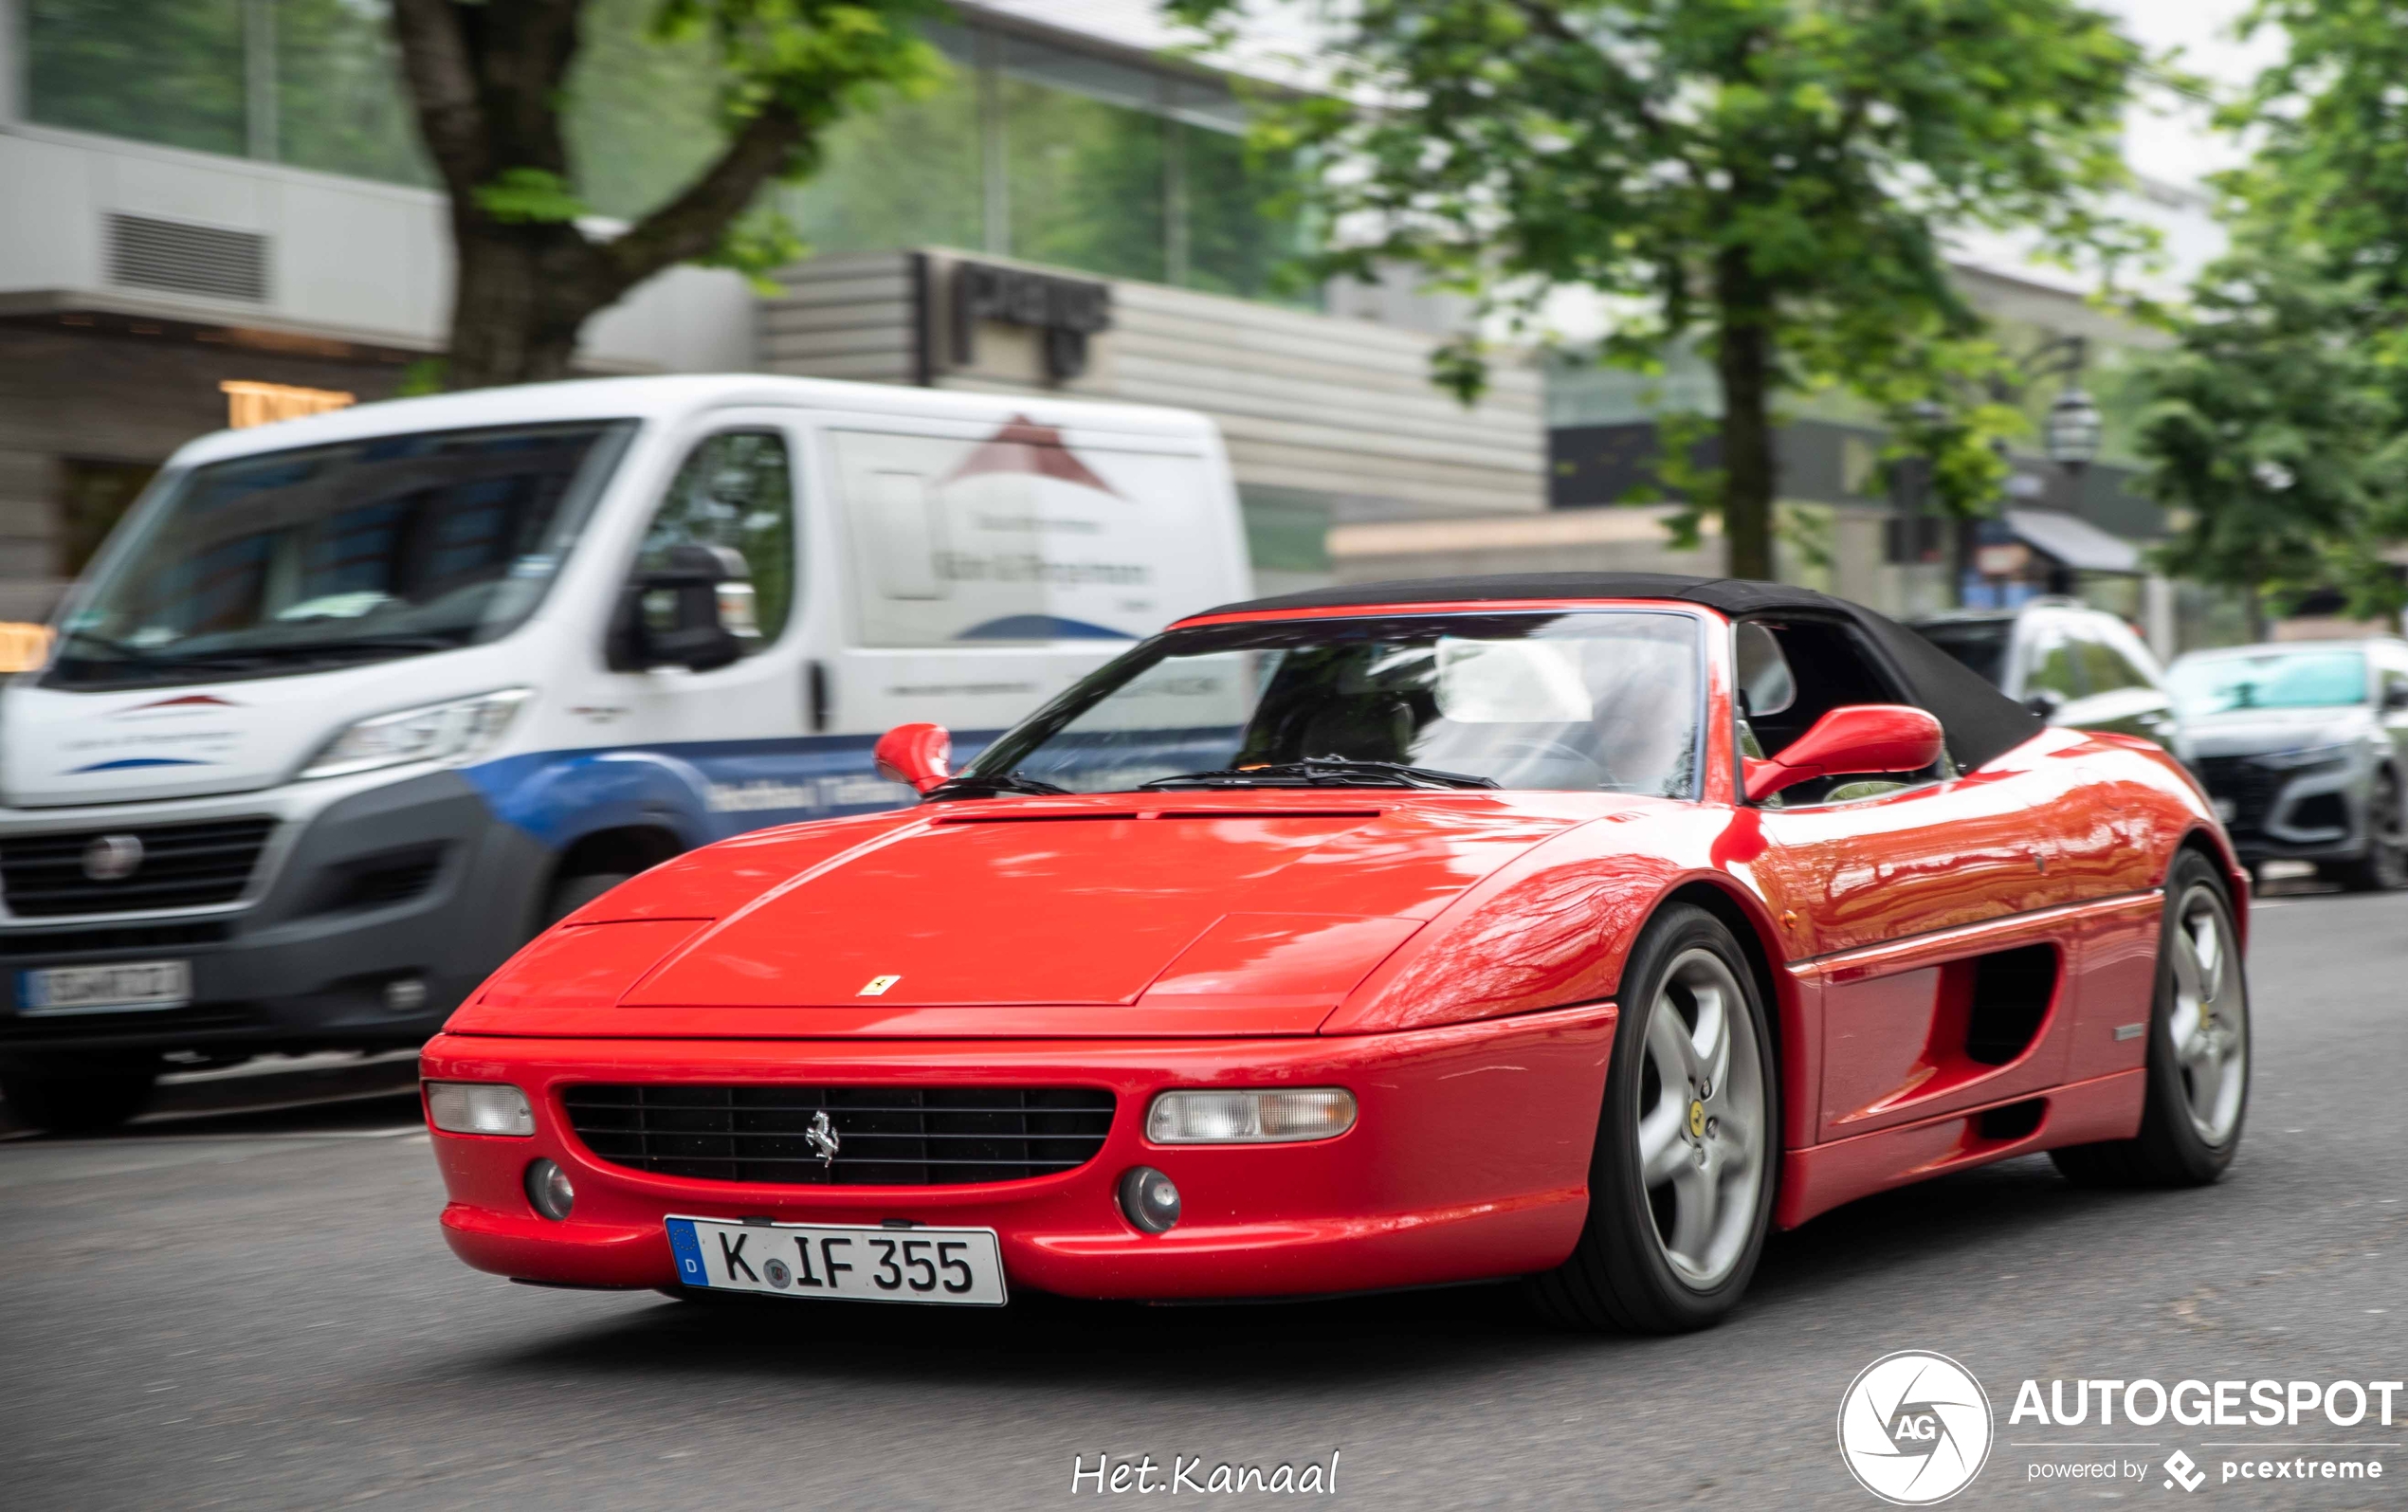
291, 561
1583, 701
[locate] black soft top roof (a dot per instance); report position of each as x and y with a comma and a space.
1981, 721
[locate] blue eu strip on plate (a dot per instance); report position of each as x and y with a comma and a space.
688, 1251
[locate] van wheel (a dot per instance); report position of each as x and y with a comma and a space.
2197, 1077
572, 893
76, 1096
1688, 1145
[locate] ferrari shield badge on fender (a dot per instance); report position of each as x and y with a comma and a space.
878, 986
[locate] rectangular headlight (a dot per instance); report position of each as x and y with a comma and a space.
1250, 1117
479, 1107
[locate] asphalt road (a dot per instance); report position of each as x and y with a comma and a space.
255, 1310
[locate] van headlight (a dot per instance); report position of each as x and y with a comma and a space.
1250, 1117
459, 730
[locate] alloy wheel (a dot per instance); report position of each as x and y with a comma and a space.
1701, 1135
2209, 1028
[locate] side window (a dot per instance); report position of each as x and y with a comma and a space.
736, 490
2050, 661
1824, 666
2105, 667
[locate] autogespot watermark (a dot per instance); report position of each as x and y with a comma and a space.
1144, 1475
1915, 1428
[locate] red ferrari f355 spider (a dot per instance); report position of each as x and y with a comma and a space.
1577, 928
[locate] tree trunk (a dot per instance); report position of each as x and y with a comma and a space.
525, 291
1743, 360
2254, 599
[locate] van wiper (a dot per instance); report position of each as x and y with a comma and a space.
378, 644
1324, 772
142, 655
989, 785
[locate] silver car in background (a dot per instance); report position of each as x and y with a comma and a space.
2068, 662
2301, 745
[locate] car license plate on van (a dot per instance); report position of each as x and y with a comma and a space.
2227, 811
963, 1266
102, 989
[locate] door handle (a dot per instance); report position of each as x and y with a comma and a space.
817, 700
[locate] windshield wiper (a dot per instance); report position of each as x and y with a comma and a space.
1324, 772
989, 785
279, 649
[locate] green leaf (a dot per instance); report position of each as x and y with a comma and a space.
529, 195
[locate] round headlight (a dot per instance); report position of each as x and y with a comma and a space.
548, 1189
1149, 1199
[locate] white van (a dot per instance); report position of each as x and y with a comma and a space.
348, 706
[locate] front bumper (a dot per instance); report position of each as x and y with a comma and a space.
1468, 1159
303, 959
2317, 814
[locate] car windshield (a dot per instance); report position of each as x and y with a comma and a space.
1981, 645
2269, 679
294, 561
1587, 702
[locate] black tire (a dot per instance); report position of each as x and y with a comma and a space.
2170, 1149
76, 1095
2384, 865
570, 894
1619, 1276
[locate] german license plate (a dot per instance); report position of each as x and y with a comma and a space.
963, 1266
105, 989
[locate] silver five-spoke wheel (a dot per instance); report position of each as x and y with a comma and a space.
2209, 1026
1701, 1120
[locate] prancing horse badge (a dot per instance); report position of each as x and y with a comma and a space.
878, 986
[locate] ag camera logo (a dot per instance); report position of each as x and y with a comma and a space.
1914, 1428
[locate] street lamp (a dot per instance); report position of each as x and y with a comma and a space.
2072, 434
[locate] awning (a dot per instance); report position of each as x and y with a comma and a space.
2074, 542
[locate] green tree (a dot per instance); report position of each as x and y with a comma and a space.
2275, 430
489, 82
1773, 177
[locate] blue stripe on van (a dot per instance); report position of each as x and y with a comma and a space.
701, 791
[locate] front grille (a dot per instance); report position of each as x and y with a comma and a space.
185, 866
201, 1018
17, 943
2250, 787
887, 1136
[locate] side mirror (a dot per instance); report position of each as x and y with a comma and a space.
1859, 738
2395, 696
676, 614
2044, 702
919, 755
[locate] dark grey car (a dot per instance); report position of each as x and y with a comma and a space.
2303, 746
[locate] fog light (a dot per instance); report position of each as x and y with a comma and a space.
1250, 1117
479, 1107
1149, 1198
548, 1189
405, 994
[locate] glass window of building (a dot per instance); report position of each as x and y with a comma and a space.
340, 103
168, 71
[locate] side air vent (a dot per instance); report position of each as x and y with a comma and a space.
155, 254
2012, 989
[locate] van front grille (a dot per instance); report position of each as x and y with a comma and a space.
884, 1136
93, 871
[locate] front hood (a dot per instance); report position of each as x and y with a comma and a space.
1255, 914
66, 747
2256, 732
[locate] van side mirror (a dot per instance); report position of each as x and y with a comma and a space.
1860, 737
2044, 702
919, 755
2395, 696
674, 615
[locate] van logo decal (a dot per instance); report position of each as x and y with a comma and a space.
1023, 446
